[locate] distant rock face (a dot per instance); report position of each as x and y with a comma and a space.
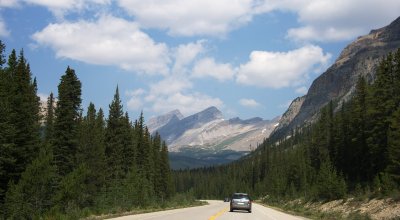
290, 113
337, 83
175, 128
157, 122
208, 130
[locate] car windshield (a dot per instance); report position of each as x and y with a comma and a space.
240, 196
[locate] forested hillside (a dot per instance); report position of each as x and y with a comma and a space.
68, 162
354, 148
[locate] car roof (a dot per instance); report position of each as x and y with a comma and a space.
240, 194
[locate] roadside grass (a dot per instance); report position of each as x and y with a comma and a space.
72, 213
137, 210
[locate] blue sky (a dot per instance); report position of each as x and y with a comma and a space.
247, 57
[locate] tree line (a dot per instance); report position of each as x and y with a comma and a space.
66, 161
353, 148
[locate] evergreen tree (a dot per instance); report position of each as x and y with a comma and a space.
32, 196
382, 106
344, 155
129, 151
359, 150
91, 151
165, 173
394, 147
66, 122
329, 184
74, 192
49, 120
2, 55
156, 150
396, 78
25, 117
144, 151
19, 120
7, 128
114, 139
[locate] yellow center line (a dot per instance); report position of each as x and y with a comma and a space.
218, 214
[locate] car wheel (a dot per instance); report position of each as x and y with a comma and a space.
249, 210
231, 210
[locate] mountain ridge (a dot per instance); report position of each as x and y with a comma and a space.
208, 130
155, 123
337, 83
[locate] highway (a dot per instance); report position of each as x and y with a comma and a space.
216, 210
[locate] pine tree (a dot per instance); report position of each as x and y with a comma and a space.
114, 139
144, 152
381, 107
66, 122
91, 150
396, 78
74, 192
329, 184
156, 150
32, 196
2, 55
344, 155
394, 147
165, 173
7, 128
49, 120
27, 113
25, 117
19, 120
360, 152
129, 151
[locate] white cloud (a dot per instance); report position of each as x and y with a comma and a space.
3, 29
168, 86
320, 20
135, 103
327, 20
281, 69
208, 67
249, 103
174, 92
136, 92
107, 41
189, 18
60, 7
8, 3
187, 103
185, 54
301, 90
323, 34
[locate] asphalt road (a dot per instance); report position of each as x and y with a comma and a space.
216, 210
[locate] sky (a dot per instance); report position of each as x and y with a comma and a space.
249, 58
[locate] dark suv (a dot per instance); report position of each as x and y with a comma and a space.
240, 201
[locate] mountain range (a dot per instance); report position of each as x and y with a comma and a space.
207, 136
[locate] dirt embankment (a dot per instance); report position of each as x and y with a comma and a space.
374, 208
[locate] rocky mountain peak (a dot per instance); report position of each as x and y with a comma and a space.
157, 122
337, 83
210, 113
382, 37
390, 32
175, 128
